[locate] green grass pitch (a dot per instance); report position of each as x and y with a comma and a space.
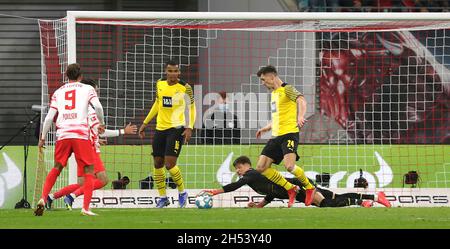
267, 218
431, 160
199, 164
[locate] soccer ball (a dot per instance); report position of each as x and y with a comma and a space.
204, 200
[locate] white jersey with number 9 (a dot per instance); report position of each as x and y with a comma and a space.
72, 102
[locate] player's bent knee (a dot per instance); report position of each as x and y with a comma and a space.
158, 166
159, 162
170, 162
289, 167
103, 178
169, 166
104, 182
59, 166
89, 169
261, 168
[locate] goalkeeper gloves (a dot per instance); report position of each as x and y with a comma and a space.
212, 191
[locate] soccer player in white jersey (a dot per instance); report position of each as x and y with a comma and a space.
71, 101
74, 190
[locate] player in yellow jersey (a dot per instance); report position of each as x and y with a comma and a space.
173, 96
288, 107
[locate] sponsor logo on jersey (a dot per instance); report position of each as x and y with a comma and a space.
167, 101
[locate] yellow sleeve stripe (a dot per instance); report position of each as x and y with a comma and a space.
292, 93
190, 93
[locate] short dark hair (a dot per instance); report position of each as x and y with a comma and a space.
267, 69
73, 71
242, 160
90, 82
172, 63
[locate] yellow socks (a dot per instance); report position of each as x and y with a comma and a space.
160, 180
300, 174
177, 178
275, 176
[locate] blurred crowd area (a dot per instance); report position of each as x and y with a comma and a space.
373, 5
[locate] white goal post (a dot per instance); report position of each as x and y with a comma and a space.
72, 16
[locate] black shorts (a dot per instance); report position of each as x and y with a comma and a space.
279, 146
167, 142
301, 195
326, 193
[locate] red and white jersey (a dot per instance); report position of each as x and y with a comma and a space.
93, 126
72, 101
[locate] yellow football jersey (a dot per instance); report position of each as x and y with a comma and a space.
284, 110
170, 105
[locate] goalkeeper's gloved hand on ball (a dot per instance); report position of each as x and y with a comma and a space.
212, 191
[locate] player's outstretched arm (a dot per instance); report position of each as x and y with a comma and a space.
129, 129
214, 191
229, 187
245, 180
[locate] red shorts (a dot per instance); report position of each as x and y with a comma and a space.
81, 148
98, 165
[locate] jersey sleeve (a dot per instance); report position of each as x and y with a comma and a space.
292, 93
190, 93
192, 110
235, 185
155, 107
48, 122
93, 120
92, 93
110, 133
53, 103
152, 113
98, 109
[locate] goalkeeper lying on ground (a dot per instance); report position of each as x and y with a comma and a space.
263, 186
